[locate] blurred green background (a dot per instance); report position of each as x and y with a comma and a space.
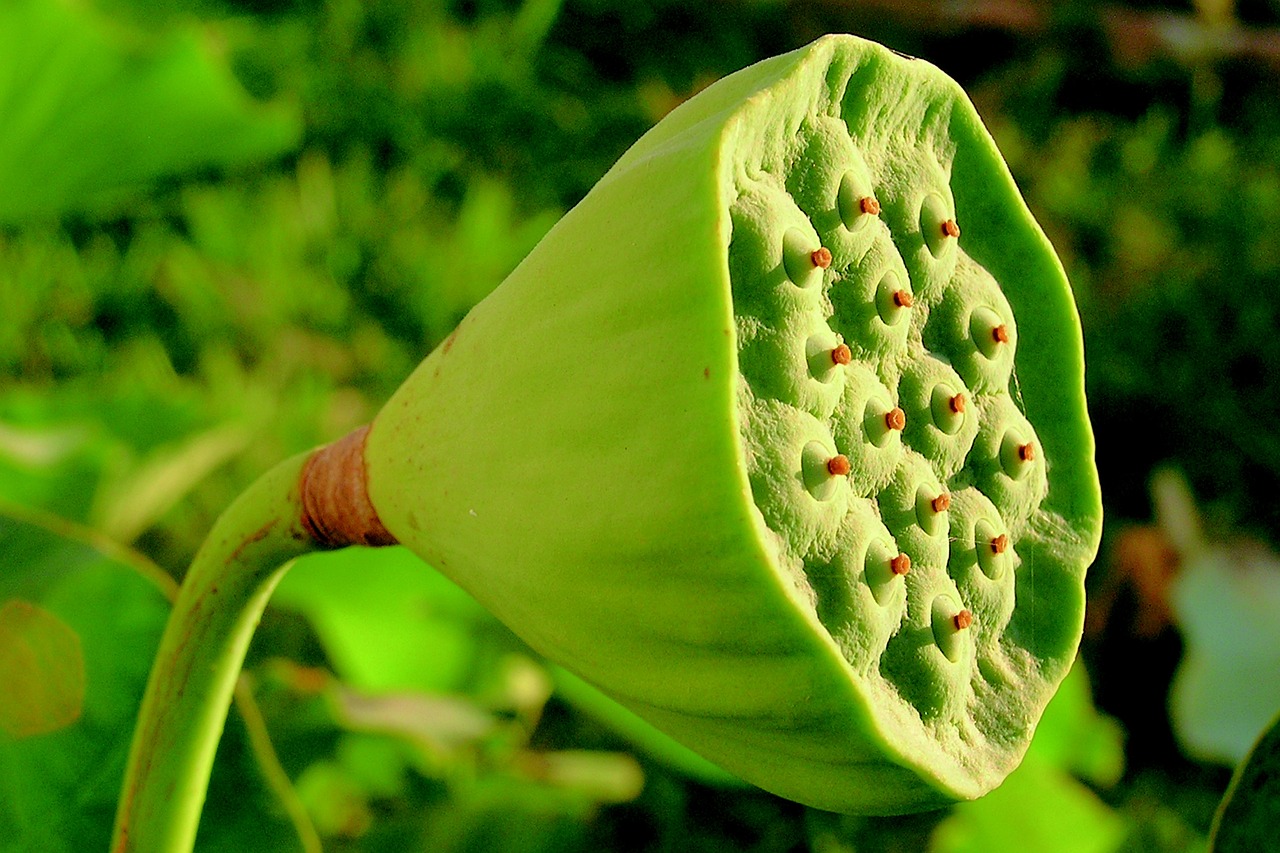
230, 228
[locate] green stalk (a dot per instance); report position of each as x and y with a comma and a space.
200, 655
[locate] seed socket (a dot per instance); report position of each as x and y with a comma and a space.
949, 620
936, 224
991, 548
1016, 455
821, 470
988, 331
892, 299
946, 406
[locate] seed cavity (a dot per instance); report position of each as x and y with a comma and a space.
988, 331
949, 622
821, 470
930, 506
879, 566
824, 351
992, 546
800, 258
937, 224
893, 300
946, 406
881, 421
1017, 455
856, 205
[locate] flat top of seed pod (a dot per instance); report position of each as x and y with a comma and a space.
953, 271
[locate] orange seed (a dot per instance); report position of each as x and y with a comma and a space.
842, 354
962, 620
1026, 452
838, 465
950, 228
1000, 334
1000, 544
870, 205
900, 564
895, 418
821, 257
957, 403
903, 299
941, 503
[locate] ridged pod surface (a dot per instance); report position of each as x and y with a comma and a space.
779, 438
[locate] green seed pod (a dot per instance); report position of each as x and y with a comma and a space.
636, 454
668, 450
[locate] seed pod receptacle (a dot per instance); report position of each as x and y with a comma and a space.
674, 448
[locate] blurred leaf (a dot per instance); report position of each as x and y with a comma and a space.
387, 621
437, 724
335, 801
606, 777
129, 505
1249, 816
510, 814
1037, 808
54, 467
1073, 736
42, 668
91, 112
58, 788
123, 461
1226, 690
390, 623
637, 731
530, 26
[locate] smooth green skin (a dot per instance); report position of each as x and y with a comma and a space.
575, 457
578, 456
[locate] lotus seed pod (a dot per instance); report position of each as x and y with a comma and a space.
762, 405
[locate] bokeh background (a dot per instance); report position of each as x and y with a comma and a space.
230, 228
